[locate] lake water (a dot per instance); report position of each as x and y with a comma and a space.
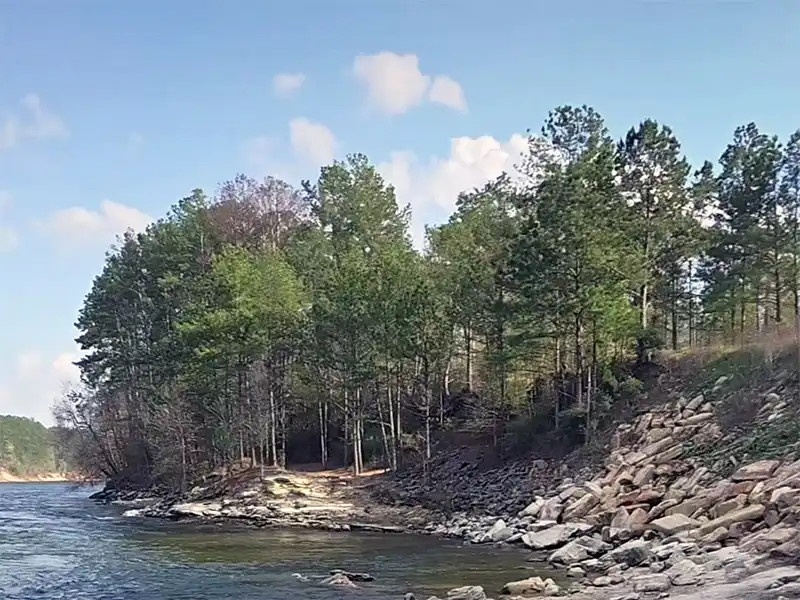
56, 544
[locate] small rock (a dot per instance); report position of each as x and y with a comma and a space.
657, 582
524, 586
696, 402
551, 588
467, 592
576, 572
685, 572
361, 577
341, 580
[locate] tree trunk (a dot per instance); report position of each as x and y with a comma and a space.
579, 361
468, 349
644, 307
323, 430
273, 434
674, 314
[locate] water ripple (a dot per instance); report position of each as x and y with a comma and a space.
57, 545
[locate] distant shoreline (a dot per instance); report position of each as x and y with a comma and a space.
6, 477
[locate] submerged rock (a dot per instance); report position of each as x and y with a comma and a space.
361, 577
339, 580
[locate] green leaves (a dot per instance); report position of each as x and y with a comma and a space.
240, 325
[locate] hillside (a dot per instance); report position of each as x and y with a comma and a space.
724, 407
26, 450
697, 485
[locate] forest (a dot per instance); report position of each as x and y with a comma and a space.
27, 448
270, 324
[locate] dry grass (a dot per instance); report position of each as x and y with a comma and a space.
763, 352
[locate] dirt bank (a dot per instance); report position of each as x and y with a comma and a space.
328, 500
6, 477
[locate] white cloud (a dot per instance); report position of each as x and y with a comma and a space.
432, 187
36, 383
35, 122
287, 84
395, 84
28, 365
135, 138
312, 142
8, 237
448, 92
78, 225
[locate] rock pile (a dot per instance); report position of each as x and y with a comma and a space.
655, 506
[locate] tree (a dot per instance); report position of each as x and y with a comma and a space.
569, 258
653, 176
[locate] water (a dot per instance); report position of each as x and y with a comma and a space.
56, 544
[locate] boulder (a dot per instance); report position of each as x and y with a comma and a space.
720, 534
675, 523
748, 513
578, 550
695, 402
551, 509
594, 489
533, 509
581, 507
532, 585
661, 508
467, 592
784, 496
757, 471
621, 519
687, 507
499, 532
549, 538
632, 553
654, 582
685, 572
723, 508
551, 588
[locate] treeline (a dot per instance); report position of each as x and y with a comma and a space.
27, 448
279, 325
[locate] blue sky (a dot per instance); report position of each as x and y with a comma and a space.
111, 111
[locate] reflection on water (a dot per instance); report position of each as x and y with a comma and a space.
56, 544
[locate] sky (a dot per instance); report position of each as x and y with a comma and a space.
112, 111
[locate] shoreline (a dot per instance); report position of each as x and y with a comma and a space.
653, 520
650, 564
6, 477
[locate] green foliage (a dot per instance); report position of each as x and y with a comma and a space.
26, 447
648, 340
270, 323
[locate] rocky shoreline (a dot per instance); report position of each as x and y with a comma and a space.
657, 522
325, 501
